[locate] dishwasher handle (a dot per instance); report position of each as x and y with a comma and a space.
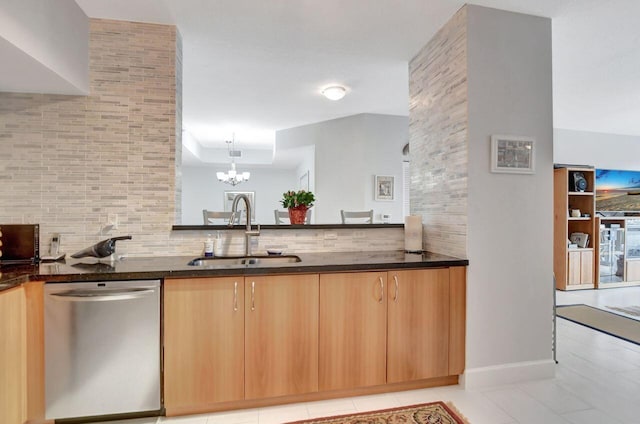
102, 295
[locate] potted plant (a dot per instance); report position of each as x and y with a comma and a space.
297, 202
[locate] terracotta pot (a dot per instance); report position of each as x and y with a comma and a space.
298, 214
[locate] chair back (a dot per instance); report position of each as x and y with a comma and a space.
357, 217
218, 218
282, 217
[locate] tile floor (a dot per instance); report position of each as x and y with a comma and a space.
597, 382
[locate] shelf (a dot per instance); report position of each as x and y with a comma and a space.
580, 193
607, 285
580, 265
580, 287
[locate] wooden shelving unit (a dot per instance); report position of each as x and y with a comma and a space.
573, 268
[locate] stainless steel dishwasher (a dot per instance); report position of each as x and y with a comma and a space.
102, 348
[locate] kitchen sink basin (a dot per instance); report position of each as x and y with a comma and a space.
245, 260
6, 285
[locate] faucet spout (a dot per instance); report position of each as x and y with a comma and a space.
248, 232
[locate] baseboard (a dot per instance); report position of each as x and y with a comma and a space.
507, 374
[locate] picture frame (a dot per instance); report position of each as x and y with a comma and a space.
512, 154
230, 195
304, 182
384, 188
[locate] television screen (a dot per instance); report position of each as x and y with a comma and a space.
617, 191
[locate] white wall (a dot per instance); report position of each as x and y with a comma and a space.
51, 40
202, 190
349, 152
307, 166
604, 151
510, 223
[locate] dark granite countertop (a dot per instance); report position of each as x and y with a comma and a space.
88, 269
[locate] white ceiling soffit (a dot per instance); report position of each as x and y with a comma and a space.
21, 73
262, 64
44, 47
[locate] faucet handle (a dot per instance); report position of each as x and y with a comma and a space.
253, 232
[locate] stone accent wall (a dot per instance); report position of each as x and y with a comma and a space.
292, 241
178, 146
438, 136
67, 162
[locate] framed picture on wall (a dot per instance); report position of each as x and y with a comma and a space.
230, 195
512, 154
304, 182
383, 186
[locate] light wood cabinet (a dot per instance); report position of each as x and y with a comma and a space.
418, 325
34, 292
281, 335
415, 331
13, 359
353, 330
203, 342
573, 268
457, 319
22, 354
580, 266
309, 336
632, 270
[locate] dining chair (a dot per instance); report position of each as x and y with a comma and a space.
360, 217
218, 218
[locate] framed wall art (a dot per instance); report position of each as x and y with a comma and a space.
304, 182
512, 154
383, 186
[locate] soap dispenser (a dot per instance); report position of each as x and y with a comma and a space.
217, 245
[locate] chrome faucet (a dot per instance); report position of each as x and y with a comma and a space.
248, 232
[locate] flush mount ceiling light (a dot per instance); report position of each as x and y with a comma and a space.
334, 92
232, 176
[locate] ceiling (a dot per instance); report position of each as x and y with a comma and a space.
253, 66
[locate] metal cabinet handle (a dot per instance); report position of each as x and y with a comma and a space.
235, 296
395, 296
381, 291
102, 295
253, 297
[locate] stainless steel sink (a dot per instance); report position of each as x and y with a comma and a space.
245, 260
6, 285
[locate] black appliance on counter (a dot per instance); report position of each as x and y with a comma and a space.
20, 244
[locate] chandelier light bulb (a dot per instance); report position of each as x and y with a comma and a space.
335, 92
232, 176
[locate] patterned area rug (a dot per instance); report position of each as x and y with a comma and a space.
426, 413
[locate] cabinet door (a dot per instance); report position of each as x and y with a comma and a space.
573, 268
353, 330
203, 342
281, 335
457, 319
418, 324
586, 267
632, 270
12, 356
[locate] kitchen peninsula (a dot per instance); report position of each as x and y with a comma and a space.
330, 325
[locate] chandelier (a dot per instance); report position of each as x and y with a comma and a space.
232, 176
